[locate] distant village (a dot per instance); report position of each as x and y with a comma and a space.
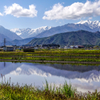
14, 47
44, 46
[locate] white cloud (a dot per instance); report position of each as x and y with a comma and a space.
75, 11
18, 11
1, 14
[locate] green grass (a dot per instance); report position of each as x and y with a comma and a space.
48, 92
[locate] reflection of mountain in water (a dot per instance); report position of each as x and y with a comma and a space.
79, 68
21, 68
47, 70
7, 67
29, 70
88, 76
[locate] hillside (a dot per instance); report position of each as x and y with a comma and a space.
9, 34
18, 42
70, 38
2, 38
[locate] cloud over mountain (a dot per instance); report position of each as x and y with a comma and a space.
18, 11
76, 10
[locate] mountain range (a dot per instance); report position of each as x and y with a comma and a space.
91, 26
69, 38
46, 31
28, 32
23, 36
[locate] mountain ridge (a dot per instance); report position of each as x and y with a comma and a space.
91, 24
46, 31
87, 25
18, 42
8, 33
69, 38
28, 32
2, 37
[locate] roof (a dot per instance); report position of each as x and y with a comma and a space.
8, 46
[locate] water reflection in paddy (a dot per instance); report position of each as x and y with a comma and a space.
83, 78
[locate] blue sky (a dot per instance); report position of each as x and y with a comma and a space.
37, 13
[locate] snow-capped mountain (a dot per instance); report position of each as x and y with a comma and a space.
45, 31
91, 24
28, 32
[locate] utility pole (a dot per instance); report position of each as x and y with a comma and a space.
4, 42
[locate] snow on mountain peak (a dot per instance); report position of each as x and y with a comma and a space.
85, 21
14, 30
28, 32
91, 24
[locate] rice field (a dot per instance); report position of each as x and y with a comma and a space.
54, 55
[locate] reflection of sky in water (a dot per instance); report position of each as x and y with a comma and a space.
36, 74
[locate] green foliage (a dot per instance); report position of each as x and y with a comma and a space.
49, 92
68, 90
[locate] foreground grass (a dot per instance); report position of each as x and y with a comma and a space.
48, 92
8, 92
54, 55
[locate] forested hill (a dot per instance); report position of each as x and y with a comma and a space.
69, 38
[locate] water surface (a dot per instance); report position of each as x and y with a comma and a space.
83, 78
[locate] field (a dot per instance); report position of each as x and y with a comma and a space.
48, 92
54, 55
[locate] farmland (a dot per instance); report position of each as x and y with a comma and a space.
54, 55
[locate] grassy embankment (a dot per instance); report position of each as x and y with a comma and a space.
54, 55
49, 92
